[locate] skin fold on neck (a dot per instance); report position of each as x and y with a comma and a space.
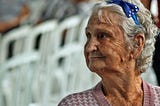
122, 89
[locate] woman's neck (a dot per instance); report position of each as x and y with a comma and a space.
123, 88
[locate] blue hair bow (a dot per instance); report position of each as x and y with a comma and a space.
129, 9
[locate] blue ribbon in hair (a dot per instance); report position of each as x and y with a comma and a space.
129, 9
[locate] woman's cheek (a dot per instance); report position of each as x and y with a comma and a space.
86, 57
111, 54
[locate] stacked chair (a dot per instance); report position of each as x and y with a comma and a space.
41, 64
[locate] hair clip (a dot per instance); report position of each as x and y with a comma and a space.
129, 9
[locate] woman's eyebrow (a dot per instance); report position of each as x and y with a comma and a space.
103, 30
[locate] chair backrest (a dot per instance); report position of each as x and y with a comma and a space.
67, 63
14, 42
24, 67
58, 44
39, 39
66, 31
11, 67
49, 65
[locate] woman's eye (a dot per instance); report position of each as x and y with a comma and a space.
88, 35
101, 35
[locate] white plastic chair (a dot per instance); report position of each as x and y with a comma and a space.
24, 66
19, 36
48, 73
46, 31
7, 65
67, 62
54, 72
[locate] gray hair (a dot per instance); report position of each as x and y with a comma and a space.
146, 27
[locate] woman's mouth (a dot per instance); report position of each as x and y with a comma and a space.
95, 57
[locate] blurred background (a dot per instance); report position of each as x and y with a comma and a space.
41, 51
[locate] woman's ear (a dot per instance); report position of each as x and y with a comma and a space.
138, 43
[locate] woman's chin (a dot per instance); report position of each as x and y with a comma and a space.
95, 67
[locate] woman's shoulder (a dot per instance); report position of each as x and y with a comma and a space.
84, 98
155, 88
80, 98
151, 87
154, 92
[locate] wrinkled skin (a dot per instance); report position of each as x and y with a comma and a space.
107, 54
105, 47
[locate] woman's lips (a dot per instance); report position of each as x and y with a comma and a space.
95, 57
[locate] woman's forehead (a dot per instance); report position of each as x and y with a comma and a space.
104, 16
96, 24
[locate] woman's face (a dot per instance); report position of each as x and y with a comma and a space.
105, 48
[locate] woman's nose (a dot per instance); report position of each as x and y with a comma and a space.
92, 45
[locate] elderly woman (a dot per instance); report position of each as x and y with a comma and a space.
120, 43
